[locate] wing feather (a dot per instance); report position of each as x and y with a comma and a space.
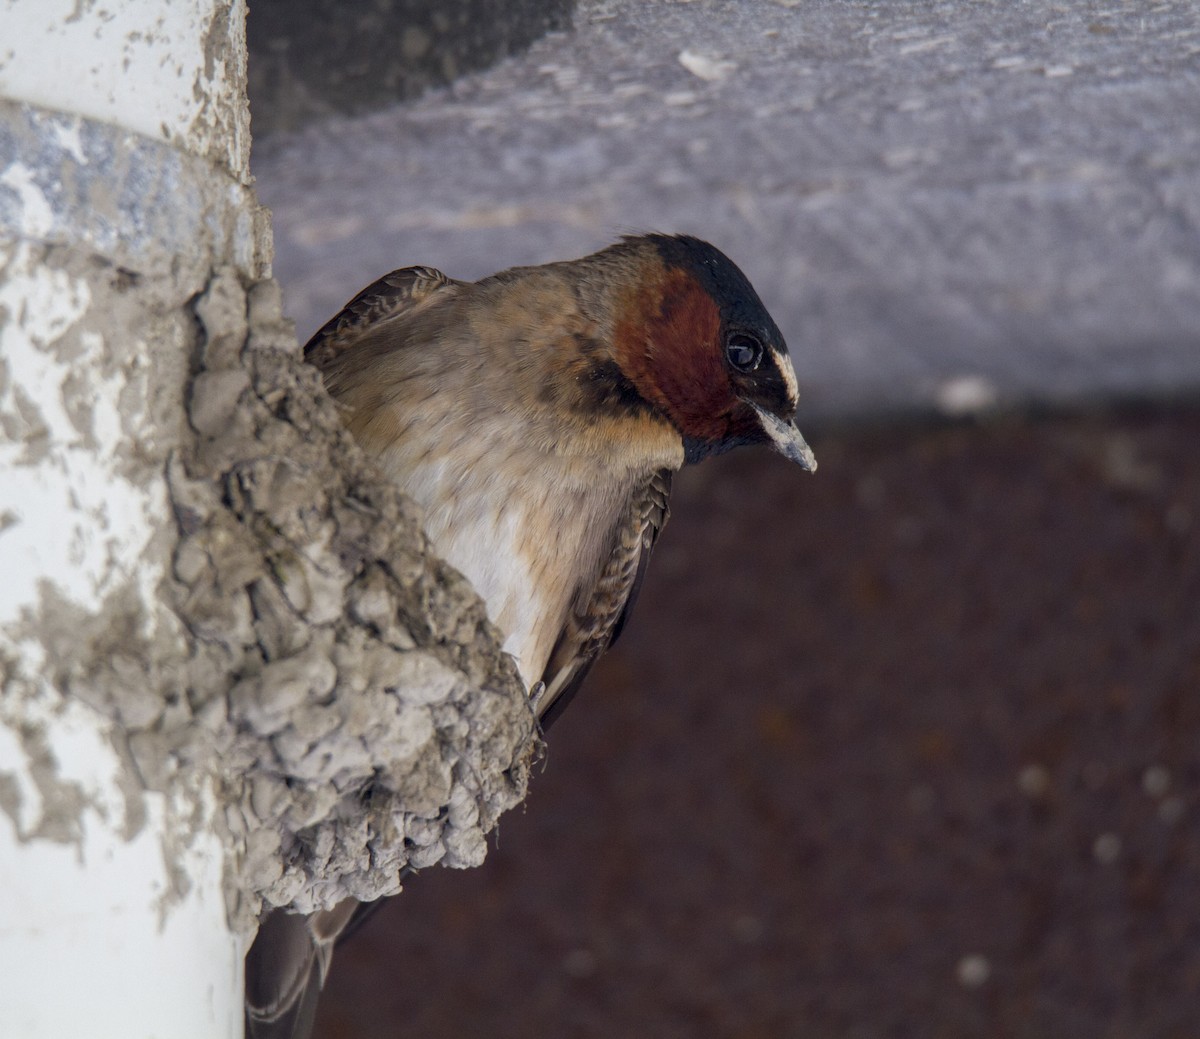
403, 291
286, 969
601, 609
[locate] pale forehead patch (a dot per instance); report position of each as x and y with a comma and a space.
788, 374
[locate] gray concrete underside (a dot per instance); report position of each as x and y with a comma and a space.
940, 202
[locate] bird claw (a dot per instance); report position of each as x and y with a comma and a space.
536, 694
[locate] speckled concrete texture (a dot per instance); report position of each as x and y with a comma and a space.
910, 747
923, 191
313, 58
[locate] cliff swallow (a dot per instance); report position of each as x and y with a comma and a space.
538, 416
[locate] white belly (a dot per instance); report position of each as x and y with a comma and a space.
489, 551
525, 544
526, 517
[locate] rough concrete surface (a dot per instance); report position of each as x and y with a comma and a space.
319, 57
364, 716
907, 748
105, 238
944, 204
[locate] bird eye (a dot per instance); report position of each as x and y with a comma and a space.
744, 352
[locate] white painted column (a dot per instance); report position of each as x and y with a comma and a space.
124, 140
112, 920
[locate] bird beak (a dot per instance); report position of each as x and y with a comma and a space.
786, 439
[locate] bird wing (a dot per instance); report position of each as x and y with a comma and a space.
403, 291
600, 609
286, 968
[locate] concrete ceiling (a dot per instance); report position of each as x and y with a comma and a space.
944, 204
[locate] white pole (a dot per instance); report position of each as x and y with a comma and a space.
124, 138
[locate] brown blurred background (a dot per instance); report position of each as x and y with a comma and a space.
907, 748
911, 747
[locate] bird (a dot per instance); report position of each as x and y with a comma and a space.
537, 416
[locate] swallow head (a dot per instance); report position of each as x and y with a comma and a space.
697, 342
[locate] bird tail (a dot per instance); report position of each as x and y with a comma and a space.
286, 968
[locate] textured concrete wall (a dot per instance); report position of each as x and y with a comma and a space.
316, 58
944, 204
